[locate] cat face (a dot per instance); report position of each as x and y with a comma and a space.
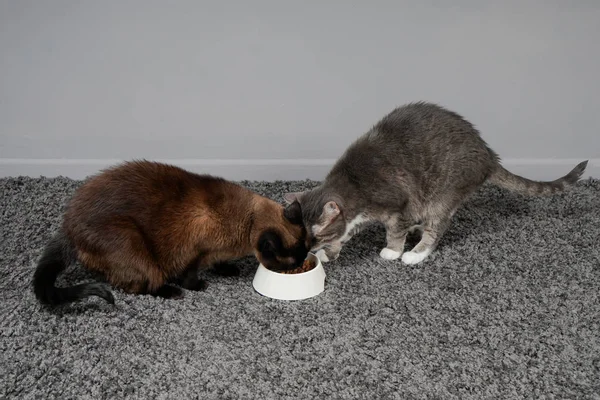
322, 217
283, 246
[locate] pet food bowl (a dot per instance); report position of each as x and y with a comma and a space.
290, 286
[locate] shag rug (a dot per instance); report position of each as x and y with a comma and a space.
507, 307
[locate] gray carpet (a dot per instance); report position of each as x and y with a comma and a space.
509, 307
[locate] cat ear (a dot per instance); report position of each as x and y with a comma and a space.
331, 210
292, 197
293, 213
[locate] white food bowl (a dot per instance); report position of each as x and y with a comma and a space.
290, 286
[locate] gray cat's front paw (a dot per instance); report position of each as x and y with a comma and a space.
322, 256
326, 256
412, 257
389, 254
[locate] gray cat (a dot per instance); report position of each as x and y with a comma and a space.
412, 170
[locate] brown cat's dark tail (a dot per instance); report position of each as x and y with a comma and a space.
503, 178
56, 257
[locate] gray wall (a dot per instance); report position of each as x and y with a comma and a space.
226, 87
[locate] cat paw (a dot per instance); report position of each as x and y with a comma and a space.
169, 292
414, 258
389, 254
198, 286
322, 256
225, 269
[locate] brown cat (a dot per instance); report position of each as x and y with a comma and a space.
144, 225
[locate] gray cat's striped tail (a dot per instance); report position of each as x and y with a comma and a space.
503, 178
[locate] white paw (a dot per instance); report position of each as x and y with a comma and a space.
322, 256
413, 258
389, 254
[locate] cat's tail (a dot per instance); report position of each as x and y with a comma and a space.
57, 255
503, 178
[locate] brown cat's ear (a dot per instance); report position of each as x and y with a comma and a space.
293, 213
292, 197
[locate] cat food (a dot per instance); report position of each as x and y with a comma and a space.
305, 267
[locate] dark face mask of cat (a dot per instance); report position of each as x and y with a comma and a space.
284, 248
274, 255
325, 226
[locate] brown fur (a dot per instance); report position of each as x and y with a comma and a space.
144, 224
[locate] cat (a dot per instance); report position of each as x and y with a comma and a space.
412, 170
144, 225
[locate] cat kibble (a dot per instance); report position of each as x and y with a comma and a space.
305, 267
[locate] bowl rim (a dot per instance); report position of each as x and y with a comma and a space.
310, 255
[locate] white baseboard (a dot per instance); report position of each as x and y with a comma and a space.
233, 169
265, 169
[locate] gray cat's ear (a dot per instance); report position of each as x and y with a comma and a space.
292, 197
331, 210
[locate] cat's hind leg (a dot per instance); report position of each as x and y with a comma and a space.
123, 257
134, 275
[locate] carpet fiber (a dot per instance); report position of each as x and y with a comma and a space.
508, 307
